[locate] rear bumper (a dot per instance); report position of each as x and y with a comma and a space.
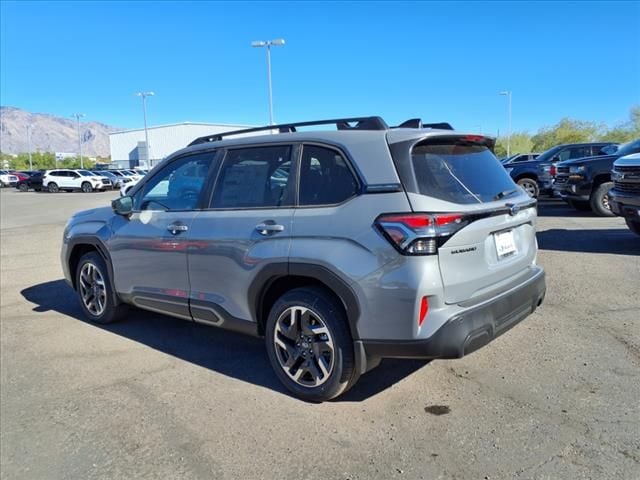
469, 330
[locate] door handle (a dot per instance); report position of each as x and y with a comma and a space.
267, 228
177, 228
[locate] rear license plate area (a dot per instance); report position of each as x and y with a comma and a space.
505, 243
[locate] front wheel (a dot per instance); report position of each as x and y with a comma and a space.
530, 186
95, 290
53, 187
599, 200
23, 187
309, 344
86, 187
634, 225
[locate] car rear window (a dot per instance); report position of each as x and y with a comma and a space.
459, 170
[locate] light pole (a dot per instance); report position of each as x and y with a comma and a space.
507, 93
78, 116
278, 42
144, 96
29, 143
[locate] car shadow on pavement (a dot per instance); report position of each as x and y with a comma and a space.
614, 240
554, 207
229, 353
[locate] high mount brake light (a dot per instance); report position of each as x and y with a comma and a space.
420, 233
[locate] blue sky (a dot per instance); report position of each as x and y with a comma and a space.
439, 61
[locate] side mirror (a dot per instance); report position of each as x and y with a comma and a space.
123, 205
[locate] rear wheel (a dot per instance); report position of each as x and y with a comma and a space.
53, 187
530, 186
309, 344
634, 225
580, 206
96, 291
600, 200
86, 187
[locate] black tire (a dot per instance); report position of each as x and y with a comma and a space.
323, 307
86, 187
52, 187
112, 311
634, 225
599, 200
23, 187
530, 186
580, 206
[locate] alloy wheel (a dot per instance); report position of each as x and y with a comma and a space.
304, 346
93, 290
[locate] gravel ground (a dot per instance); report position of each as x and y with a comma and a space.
155, 397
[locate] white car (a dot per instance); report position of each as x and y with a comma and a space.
69, 180
7, 180
127, 186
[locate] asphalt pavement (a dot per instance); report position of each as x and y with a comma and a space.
557, 397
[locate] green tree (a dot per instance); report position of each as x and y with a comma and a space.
627, 131
566, 130
520, 143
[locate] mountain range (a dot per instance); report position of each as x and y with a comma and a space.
51, 134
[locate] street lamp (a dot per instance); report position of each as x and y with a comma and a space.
29, 143
507, 93
268, 44
78, 116
144, 96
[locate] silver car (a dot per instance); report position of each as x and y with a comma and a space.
339, 247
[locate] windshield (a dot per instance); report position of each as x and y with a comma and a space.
548, 155
86, 173
629, 148
458, 171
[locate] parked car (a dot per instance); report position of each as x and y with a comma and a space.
7, 179
70, 180
585, 182
131, 182
20, 175
33, 182
332, 259
624, 197
531, 174
116, 181
519, 157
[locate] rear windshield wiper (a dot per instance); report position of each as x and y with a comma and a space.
505, 193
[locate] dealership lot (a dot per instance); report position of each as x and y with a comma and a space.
556, 397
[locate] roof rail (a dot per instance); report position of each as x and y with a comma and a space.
361, 123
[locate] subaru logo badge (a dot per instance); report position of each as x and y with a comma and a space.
513, 209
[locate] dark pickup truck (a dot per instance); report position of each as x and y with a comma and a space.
624, 197
535, 179
585, 182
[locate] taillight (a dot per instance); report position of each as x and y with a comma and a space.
552, 170
420, 233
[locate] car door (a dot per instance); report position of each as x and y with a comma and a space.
73, 179
245, 232
149, 248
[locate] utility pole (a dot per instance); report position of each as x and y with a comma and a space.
144, 96
29, 142
508, 93
268, 44
78, 116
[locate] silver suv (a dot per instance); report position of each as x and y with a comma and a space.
338, 247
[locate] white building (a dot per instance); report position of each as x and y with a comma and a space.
128, 146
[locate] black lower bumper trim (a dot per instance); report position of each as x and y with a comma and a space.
470, 330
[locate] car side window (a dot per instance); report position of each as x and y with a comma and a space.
325, 177
255, 177
177, 186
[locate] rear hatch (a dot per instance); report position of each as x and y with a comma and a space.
493, 243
